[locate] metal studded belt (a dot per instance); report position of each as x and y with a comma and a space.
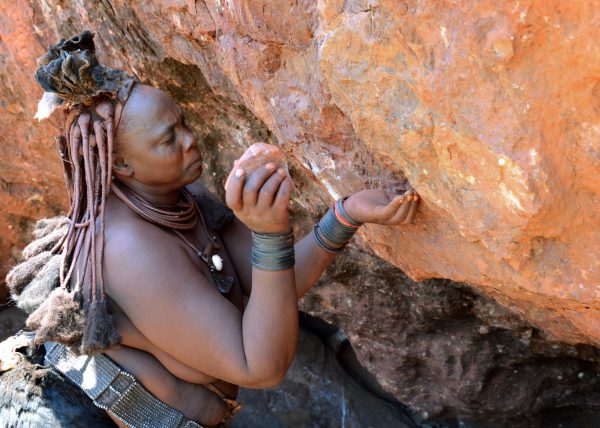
113, 389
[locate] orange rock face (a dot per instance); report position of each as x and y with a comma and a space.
31, 184
491, 110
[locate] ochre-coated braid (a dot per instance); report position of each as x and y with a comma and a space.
102, 157
86, 149
84, 121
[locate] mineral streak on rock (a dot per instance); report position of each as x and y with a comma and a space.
489, 109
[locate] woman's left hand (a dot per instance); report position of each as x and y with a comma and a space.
381, 207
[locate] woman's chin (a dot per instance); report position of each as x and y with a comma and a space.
194, 174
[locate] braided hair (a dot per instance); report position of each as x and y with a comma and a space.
71, 305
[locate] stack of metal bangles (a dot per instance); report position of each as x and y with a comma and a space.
337, 227
275, 251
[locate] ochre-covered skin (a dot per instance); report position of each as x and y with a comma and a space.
489, 109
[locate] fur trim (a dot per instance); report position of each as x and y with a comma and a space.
45, 226
45, 243
58, 319
32, 395
22, 274
46, 280
47, 105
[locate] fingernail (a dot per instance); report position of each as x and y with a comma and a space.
270, 165
409, 198
281, 171
239, 172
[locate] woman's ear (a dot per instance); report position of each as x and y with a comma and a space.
122, 167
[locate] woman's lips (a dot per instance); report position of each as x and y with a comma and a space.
195, 162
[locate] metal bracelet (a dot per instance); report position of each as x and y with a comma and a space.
339, 204
333, 230
273, 251
322, 244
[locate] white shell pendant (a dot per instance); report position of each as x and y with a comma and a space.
217, 262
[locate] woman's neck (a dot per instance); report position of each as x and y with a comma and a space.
152, 194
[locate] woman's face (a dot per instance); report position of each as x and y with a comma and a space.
153, 142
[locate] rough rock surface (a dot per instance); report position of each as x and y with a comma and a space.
452, 353
490, 110
317, 392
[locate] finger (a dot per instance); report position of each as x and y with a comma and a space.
230, 174
233, 191
228, 178
235, 164
402, 211
269, 189
392, 207
282, 199
255, 182
413, 209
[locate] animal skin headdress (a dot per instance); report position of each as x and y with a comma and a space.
71, 305
70, 73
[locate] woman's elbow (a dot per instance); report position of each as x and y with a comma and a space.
270, 377
264, 382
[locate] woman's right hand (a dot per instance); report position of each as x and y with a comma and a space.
260, 201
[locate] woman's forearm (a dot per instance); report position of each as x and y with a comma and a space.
311, 262
270, 326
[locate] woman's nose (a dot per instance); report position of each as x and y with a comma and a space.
190, 140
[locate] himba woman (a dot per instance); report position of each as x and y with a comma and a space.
136, 296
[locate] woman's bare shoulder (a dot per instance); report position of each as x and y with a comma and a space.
132, 232
142, 257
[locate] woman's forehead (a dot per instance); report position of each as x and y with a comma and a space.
149, 107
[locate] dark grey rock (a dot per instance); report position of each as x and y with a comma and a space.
451, 353
318, 392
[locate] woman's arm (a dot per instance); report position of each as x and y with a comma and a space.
133, 338
151, 277
311, 260
369, 206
